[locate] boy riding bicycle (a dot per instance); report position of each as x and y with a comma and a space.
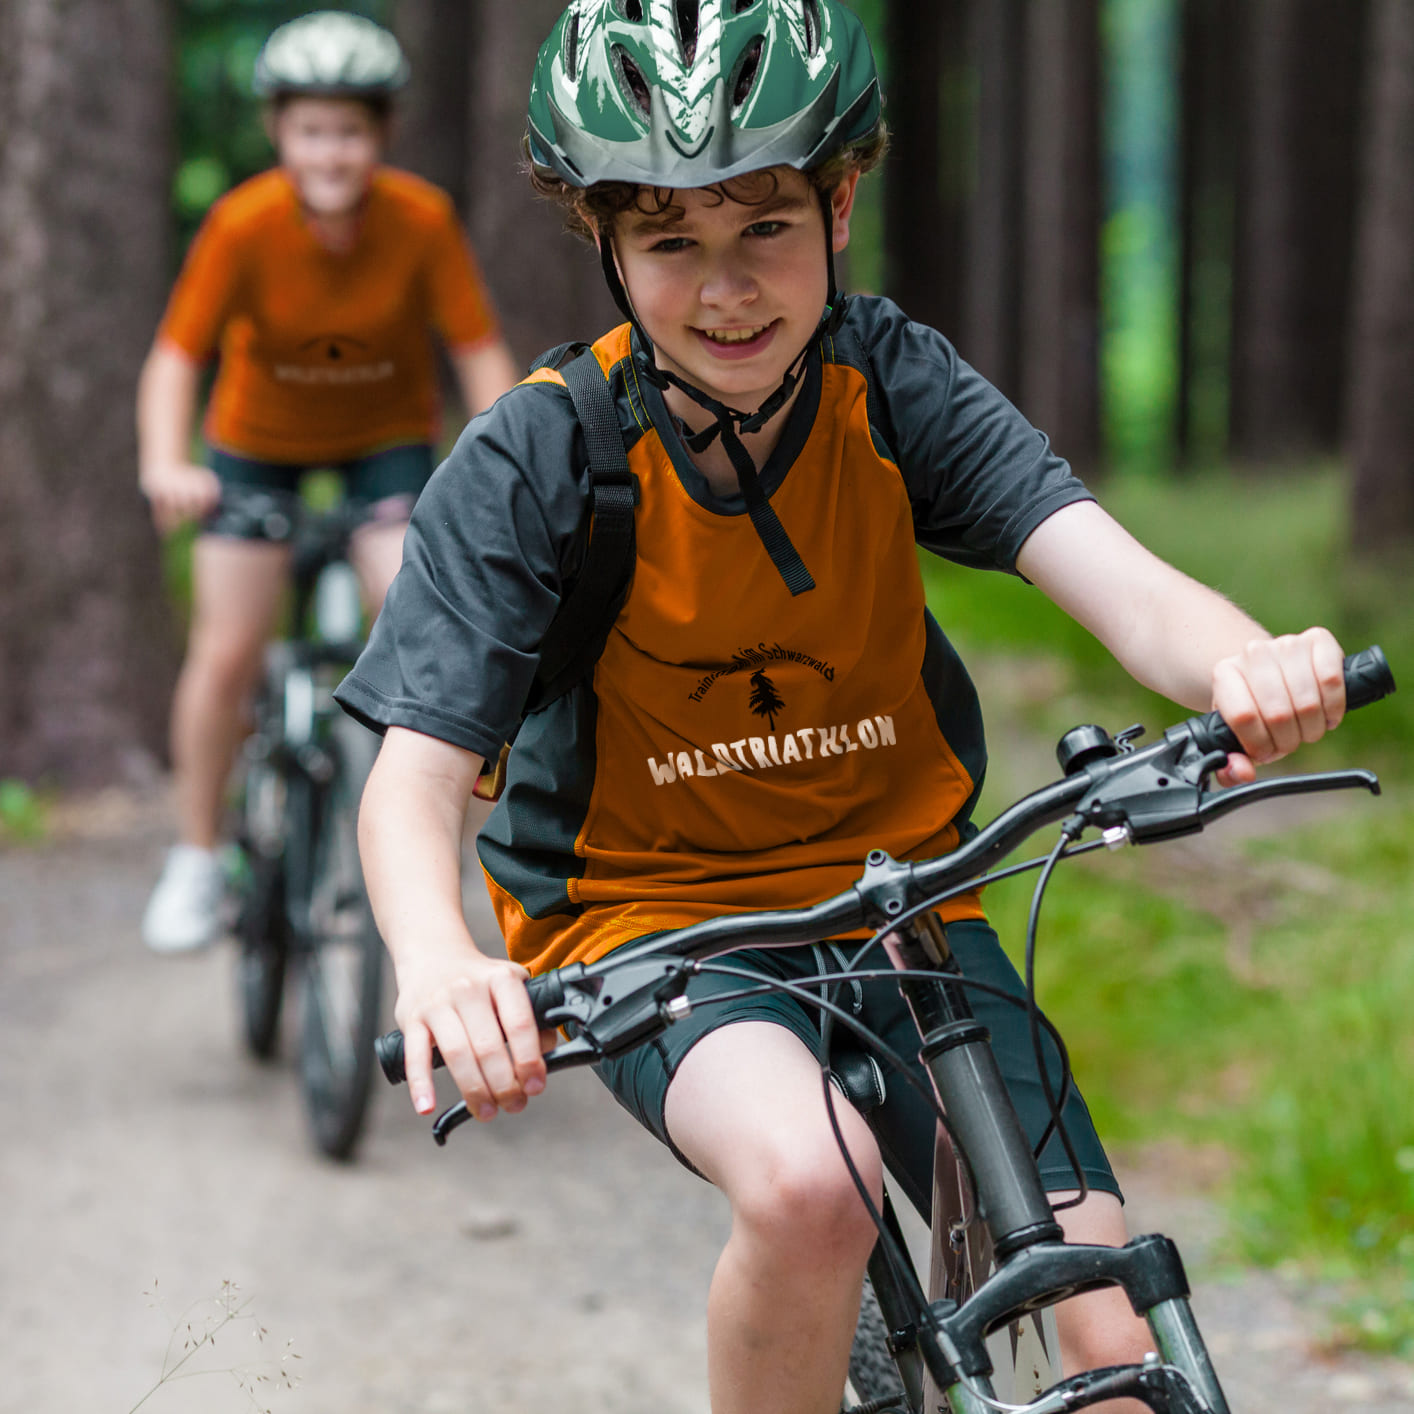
773, 700
320, 282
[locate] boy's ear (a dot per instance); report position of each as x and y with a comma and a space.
842, 204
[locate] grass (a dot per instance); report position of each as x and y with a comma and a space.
23, 816
1260, 996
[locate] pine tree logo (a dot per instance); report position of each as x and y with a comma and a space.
765, 700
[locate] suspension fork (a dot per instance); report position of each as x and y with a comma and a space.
957, 1054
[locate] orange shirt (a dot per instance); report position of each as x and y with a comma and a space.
750, 747
326, 355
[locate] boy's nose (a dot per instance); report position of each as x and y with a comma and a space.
725, 286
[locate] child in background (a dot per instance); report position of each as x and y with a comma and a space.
321, 284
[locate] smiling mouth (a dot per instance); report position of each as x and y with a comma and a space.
734, 336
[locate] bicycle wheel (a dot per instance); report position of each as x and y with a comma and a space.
264, 947
874, 1381
342, 962
261, 924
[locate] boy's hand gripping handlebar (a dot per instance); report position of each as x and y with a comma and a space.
1140, 795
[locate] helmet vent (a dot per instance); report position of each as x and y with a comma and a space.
572, 47
687, 18
631, 10
811, 10
633, 82
740, 7
748, 66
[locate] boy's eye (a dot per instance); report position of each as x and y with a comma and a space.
765, 228
670, 245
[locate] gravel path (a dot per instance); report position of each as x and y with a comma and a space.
562, 1251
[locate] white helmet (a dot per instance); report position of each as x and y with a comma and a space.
330, 53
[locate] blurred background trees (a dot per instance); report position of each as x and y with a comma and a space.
1177, 232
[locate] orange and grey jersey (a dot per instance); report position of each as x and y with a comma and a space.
735, 747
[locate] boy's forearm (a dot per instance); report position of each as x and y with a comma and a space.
1187, 630
410, 832
1166, 629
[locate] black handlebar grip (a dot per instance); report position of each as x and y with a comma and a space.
546, 993
389, 1050
1367, 679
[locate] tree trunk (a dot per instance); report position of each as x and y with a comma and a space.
546, 284
432, 133
1296, 191
1382, 408
87, 649
925, 177
1205, 229
1061, 228
992, 297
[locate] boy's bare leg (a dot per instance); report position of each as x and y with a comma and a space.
746, 1107
236, 589
1100, 1328
376, 554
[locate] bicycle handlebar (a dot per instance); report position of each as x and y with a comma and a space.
1157, 792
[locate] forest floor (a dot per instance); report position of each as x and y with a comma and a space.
558, 1259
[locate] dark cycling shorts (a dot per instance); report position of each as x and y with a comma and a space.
386, 483
905, 1123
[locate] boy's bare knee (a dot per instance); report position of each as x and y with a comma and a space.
225, 664
805, 1201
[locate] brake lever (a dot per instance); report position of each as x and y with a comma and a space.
1215, 806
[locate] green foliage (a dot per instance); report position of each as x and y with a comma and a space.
1138, 246
221, 134
22, 815
1138, 355
1327, 1147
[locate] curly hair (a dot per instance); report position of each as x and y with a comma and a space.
592, 208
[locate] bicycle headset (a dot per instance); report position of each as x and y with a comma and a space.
330, 54
676, 94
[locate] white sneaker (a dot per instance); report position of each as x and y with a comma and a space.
184, 912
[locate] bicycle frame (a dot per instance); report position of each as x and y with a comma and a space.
311, 760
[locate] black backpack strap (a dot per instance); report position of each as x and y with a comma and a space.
576, 636
553, 358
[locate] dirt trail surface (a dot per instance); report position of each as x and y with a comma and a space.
558, 1260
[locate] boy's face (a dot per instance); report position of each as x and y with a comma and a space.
330, 147
730, 292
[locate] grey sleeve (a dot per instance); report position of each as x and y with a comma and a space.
980, 477
454, 652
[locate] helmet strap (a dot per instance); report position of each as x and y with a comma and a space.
728, 422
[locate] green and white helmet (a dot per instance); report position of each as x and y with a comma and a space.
687, 93
330, 53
